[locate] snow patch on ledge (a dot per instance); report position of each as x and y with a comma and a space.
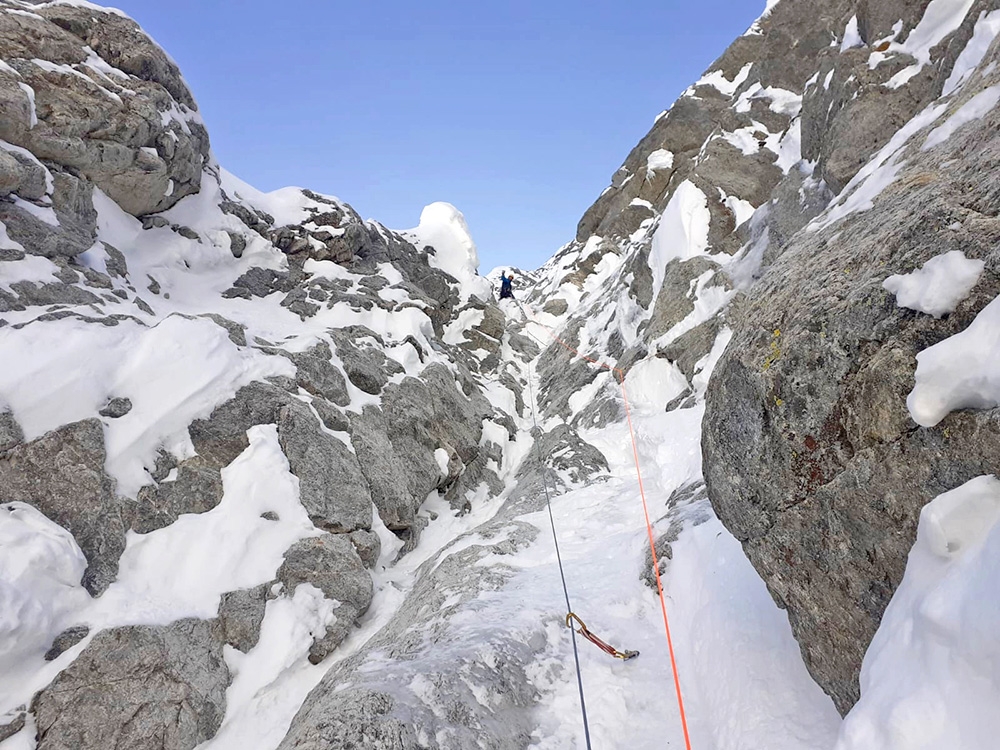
938, 286
974, 109
960, 372
941, 18
931, 677
718, 79
987, 28
659, 159
852, 37
683, 231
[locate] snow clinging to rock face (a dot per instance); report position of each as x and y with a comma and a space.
931, 678
443, 227
938, 286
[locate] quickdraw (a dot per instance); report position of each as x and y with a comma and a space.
608, 649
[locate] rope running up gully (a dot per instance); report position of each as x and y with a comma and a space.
570, 616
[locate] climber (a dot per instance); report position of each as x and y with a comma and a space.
505, 286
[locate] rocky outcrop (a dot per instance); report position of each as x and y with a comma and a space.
812, 459
330, 563
333, 489
138, 687
62, 475
87, 91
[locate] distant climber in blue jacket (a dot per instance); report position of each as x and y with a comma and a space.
505, 286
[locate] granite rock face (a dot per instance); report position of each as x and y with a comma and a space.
107, 104
810, 456
138, 687
812, 459
62, 475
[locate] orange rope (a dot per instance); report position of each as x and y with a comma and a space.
656, 568
645, 510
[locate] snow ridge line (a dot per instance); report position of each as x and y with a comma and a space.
649, 528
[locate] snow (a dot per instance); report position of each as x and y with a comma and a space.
718, 79
443, 227
755, 26
659, 160
30, 93
44, 214
682, 233
960, 372
941, 18
183, 569
655, 379
33, 268
40, 568
84, 4
852, 37
745, 139
931, 676
742, 659
880, 172
174, 372
986, 30
938, 286
973, 109
741, 209
790, 147
285, 637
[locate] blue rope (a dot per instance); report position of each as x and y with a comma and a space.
562, 574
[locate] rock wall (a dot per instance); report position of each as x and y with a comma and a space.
800, 155
812, 458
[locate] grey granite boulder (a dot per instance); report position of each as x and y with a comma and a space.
137, 687
241, 614
134, 133
384, 468
66, 640
10, 432
62, 475
116, 407
315, 373
330, 563
332, 487
196, 488
366, 366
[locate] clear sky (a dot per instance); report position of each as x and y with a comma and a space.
516, 111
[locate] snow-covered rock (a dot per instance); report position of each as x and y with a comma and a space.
287, 478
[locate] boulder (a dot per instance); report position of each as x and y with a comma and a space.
133, 131
62, 475
330, 563
332, 487
241, 614
137, 687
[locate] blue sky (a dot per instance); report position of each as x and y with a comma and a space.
517, 112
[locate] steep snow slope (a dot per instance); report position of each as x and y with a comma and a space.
271, 477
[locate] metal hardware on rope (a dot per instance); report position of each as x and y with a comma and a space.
606, 648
